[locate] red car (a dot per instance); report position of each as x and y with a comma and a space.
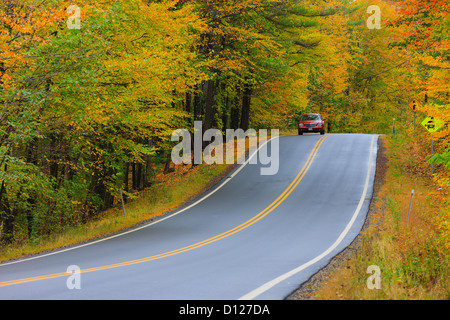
311, 122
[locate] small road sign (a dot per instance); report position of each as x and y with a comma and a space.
432, 124
414, 105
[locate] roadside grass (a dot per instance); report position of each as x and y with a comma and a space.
411, 256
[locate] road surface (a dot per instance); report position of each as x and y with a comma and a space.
252, 236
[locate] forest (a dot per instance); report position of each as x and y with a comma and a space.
91, 90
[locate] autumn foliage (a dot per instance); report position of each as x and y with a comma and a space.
85, 113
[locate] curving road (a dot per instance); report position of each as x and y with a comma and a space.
251, 237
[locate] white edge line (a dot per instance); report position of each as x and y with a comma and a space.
253, 294
149, 224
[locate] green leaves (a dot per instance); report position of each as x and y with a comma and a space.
441, 158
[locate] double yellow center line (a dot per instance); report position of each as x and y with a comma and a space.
228, 233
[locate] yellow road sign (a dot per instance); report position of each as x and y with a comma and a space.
432, 124
414, 104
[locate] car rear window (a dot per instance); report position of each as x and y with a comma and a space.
310, 117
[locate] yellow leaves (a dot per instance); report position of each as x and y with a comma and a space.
155, 50
431, 61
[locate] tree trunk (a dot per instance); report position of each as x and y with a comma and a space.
187, 105
53, 159
125, 180
7, 218
209, 103
235, 112
133, 176
245, 112
197, 106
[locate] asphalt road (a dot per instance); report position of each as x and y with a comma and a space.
253, 236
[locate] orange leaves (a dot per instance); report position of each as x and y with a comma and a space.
23, 26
